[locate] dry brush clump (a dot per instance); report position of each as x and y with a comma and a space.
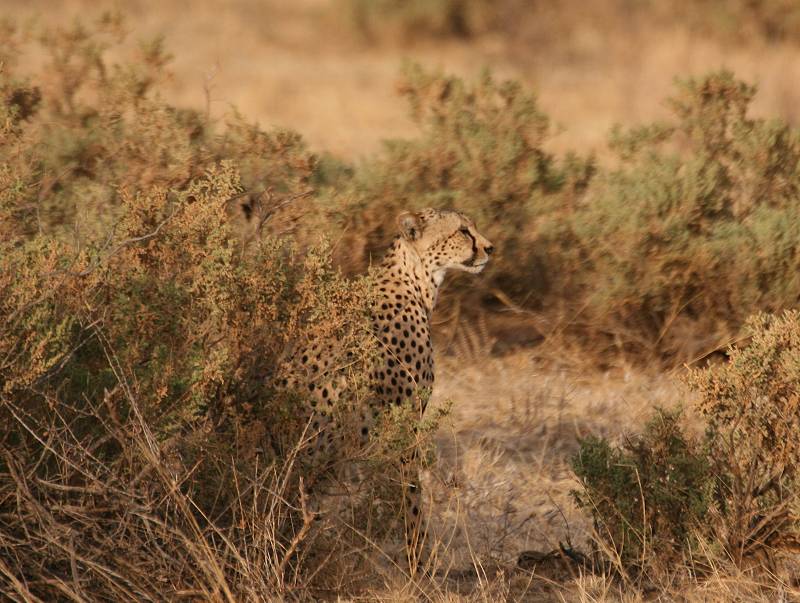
752, 406
149, 446
661, 255
83, 127
481, 149
696, 228
669, 505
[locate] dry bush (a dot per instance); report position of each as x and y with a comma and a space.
167, 330
149, 445
752, 405
696, 229
81, 131
661, 257
729, 500
480, 150
95, 507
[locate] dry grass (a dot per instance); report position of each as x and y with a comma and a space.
502, 482
514, 426
501, 485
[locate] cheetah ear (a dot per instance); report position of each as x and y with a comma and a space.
410, 225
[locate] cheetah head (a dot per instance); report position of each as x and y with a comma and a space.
445, 240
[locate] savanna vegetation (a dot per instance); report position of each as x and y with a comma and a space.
158, 265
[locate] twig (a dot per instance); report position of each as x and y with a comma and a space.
308, 521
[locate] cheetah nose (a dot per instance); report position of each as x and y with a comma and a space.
489, 249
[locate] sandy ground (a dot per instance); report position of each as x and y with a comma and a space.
503, 481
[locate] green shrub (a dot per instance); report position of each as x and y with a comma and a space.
735, 490
697, 225
481, 151
648, 496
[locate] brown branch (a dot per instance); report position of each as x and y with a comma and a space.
308, 521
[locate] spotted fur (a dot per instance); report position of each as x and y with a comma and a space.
430, 243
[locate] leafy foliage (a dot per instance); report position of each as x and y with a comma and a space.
647, 496
752, 405
697, 225
481, 150
735, 490
141, 328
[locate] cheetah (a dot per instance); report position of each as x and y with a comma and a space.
430, 242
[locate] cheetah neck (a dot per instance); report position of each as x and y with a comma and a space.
406, 269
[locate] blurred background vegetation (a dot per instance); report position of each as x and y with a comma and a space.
186, 196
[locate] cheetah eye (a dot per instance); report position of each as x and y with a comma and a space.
464, 230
